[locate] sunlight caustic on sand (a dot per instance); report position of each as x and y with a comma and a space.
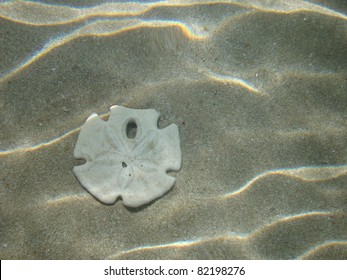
68, 14
24, 149
241, 237
305, 173
97, 28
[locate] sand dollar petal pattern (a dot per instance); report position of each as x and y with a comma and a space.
127, 156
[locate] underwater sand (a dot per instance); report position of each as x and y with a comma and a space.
257, 89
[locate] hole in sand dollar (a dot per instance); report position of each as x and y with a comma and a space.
131, 129
124, 164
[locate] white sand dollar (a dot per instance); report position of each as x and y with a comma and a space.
127, 156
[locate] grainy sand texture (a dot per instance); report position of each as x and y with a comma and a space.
258, 90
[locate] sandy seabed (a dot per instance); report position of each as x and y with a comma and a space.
258, 90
